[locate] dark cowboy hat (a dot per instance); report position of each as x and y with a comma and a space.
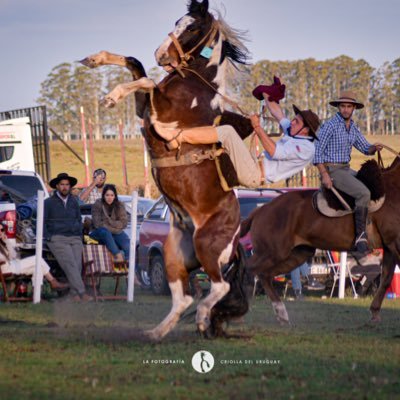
275, 92
310, 119
347, 96
60, 177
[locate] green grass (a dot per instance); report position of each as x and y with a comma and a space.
61, 350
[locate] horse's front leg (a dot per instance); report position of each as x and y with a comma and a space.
122, 90
178, 253
104, 58
213, 254
390, 258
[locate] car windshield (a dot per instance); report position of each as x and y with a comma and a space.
247, 205
23, 187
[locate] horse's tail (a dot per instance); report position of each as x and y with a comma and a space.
246, 224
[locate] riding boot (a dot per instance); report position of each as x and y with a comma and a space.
361, 239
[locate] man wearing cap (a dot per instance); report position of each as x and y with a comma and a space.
63, 232
282, 159
94, 190
336, 137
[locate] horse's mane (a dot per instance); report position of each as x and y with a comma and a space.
230, 52
234, 48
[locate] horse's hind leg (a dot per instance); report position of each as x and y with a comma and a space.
390, 258
178, 252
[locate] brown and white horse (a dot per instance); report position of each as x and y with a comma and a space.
198, 55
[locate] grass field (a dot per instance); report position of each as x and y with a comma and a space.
61, 350
107, 155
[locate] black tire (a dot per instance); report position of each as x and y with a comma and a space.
158, 277
143, 278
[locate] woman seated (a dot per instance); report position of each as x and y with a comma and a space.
12, 264
109, 220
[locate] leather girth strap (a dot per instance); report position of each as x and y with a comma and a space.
194, 157
190, 158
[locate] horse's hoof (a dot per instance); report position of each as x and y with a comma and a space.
88, 62
203, 325
107, 102
153, 335
375, 319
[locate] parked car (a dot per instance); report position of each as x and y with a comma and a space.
155, 227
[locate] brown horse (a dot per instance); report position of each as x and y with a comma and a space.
198, 55
287, 231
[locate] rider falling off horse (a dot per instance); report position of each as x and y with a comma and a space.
336, 137
282, 159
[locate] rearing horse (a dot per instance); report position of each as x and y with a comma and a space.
198, 55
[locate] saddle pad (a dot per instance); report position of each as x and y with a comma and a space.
321, 204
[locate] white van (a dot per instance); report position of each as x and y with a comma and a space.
16, 150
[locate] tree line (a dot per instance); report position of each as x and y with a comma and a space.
309, 84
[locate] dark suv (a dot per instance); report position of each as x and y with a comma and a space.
155, 227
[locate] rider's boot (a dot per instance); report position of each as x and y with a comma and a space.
361, 240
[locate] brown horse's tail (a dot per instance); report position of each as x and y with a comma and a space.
246, 224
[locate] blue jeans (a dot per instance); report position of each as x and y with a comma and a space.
115, 242
295, 275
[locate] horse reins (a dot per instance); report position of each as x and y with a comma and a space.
185, 57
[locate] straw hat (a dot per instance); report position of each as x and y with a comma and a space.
347, 96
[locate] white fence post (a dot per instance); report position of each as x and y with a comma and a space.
132, 251
37, 279
342, 276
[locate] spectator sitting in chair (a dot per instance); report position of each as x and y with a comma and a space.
312, 283
109, 219
12, 264
63, 232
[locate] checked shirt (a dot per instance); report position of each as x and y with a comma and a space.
335, 142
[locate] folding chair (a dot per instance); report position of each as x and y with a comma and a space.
97, 263
333, 263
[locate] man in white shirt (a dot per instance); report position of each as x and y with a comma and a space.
282, 159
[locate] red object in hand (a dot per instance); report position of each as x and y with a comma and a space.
275, 92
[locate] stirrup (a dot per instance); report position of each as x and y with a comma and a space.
362, 238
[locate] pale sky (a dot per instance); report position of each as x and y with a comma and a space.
37, 35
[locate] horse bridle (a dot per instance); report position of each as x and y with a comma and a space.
186, 56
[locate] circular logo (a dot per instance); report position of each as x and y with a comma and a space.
203, 361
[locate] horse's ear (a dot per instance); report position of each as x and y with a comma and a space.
195, 7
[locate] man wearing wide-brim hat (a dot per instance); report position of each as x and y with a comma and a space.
337, 137
63, 232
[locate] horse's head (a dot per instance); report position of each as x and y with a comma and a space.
191, 34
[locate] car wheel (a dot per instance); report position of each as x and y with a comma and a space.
158, 278
143, 277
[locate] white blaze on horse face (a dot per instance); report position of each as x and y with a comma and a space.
225, 255
162, 52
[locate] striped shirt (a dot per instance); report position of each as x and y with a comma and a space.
335, 141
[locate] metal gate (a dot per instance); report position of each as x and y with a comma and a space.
40, 137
